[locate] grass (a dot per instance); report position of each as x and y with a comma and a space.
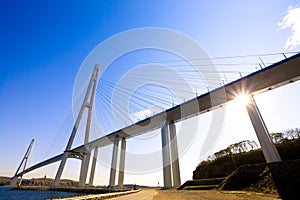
202, 182
200, 187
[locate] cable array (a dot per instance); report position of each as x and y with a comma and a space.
120, 104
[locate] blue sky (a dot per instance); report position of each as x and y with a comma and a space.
43, 44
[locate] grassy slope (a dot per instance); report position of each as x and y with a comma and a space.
222, 167
248, 171
280, 177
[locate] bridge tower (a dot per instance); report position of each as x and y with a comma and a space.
88, 103
14, 180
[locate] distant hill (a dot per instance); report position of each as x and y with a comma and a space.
47, 182
4, 181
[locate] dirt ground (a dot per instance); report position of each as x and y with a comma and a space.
144, 194
210, 194
157, 194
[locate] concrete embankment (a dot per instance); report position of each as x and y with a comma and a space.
100, 196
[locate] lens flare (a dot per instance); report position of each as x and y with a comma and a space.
243, 99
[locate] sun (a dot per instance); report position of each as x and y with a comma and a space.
243, 99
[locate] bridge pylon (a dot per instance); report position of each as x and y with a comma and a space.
16, 180
88, 103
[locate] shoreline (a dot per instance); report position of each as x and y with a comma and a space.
100, 190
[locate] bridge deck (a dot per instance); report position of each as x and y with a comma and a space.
276, 75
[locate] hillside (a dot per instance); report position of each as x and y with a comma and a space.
242, 166
4, 181
224, 162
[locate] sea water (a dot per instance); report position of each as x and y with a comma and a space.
7, 194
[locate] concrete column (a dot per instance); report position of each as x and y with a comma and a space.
60, 170
122, 163
84, 169
166, 154
114, 162
269, 150
92, 175
174, 156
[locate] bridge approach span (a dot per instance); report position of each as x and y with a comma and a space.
276, 75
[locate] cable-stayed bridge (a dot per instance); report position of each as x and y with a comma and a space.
268, 78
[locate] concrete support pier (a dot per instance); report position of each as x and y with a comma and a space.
269, 150
174, 156
92, 175
166, 154
114, 162
122, 163
84, 168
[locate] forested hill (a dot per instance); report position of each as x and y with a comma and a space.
224, 162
